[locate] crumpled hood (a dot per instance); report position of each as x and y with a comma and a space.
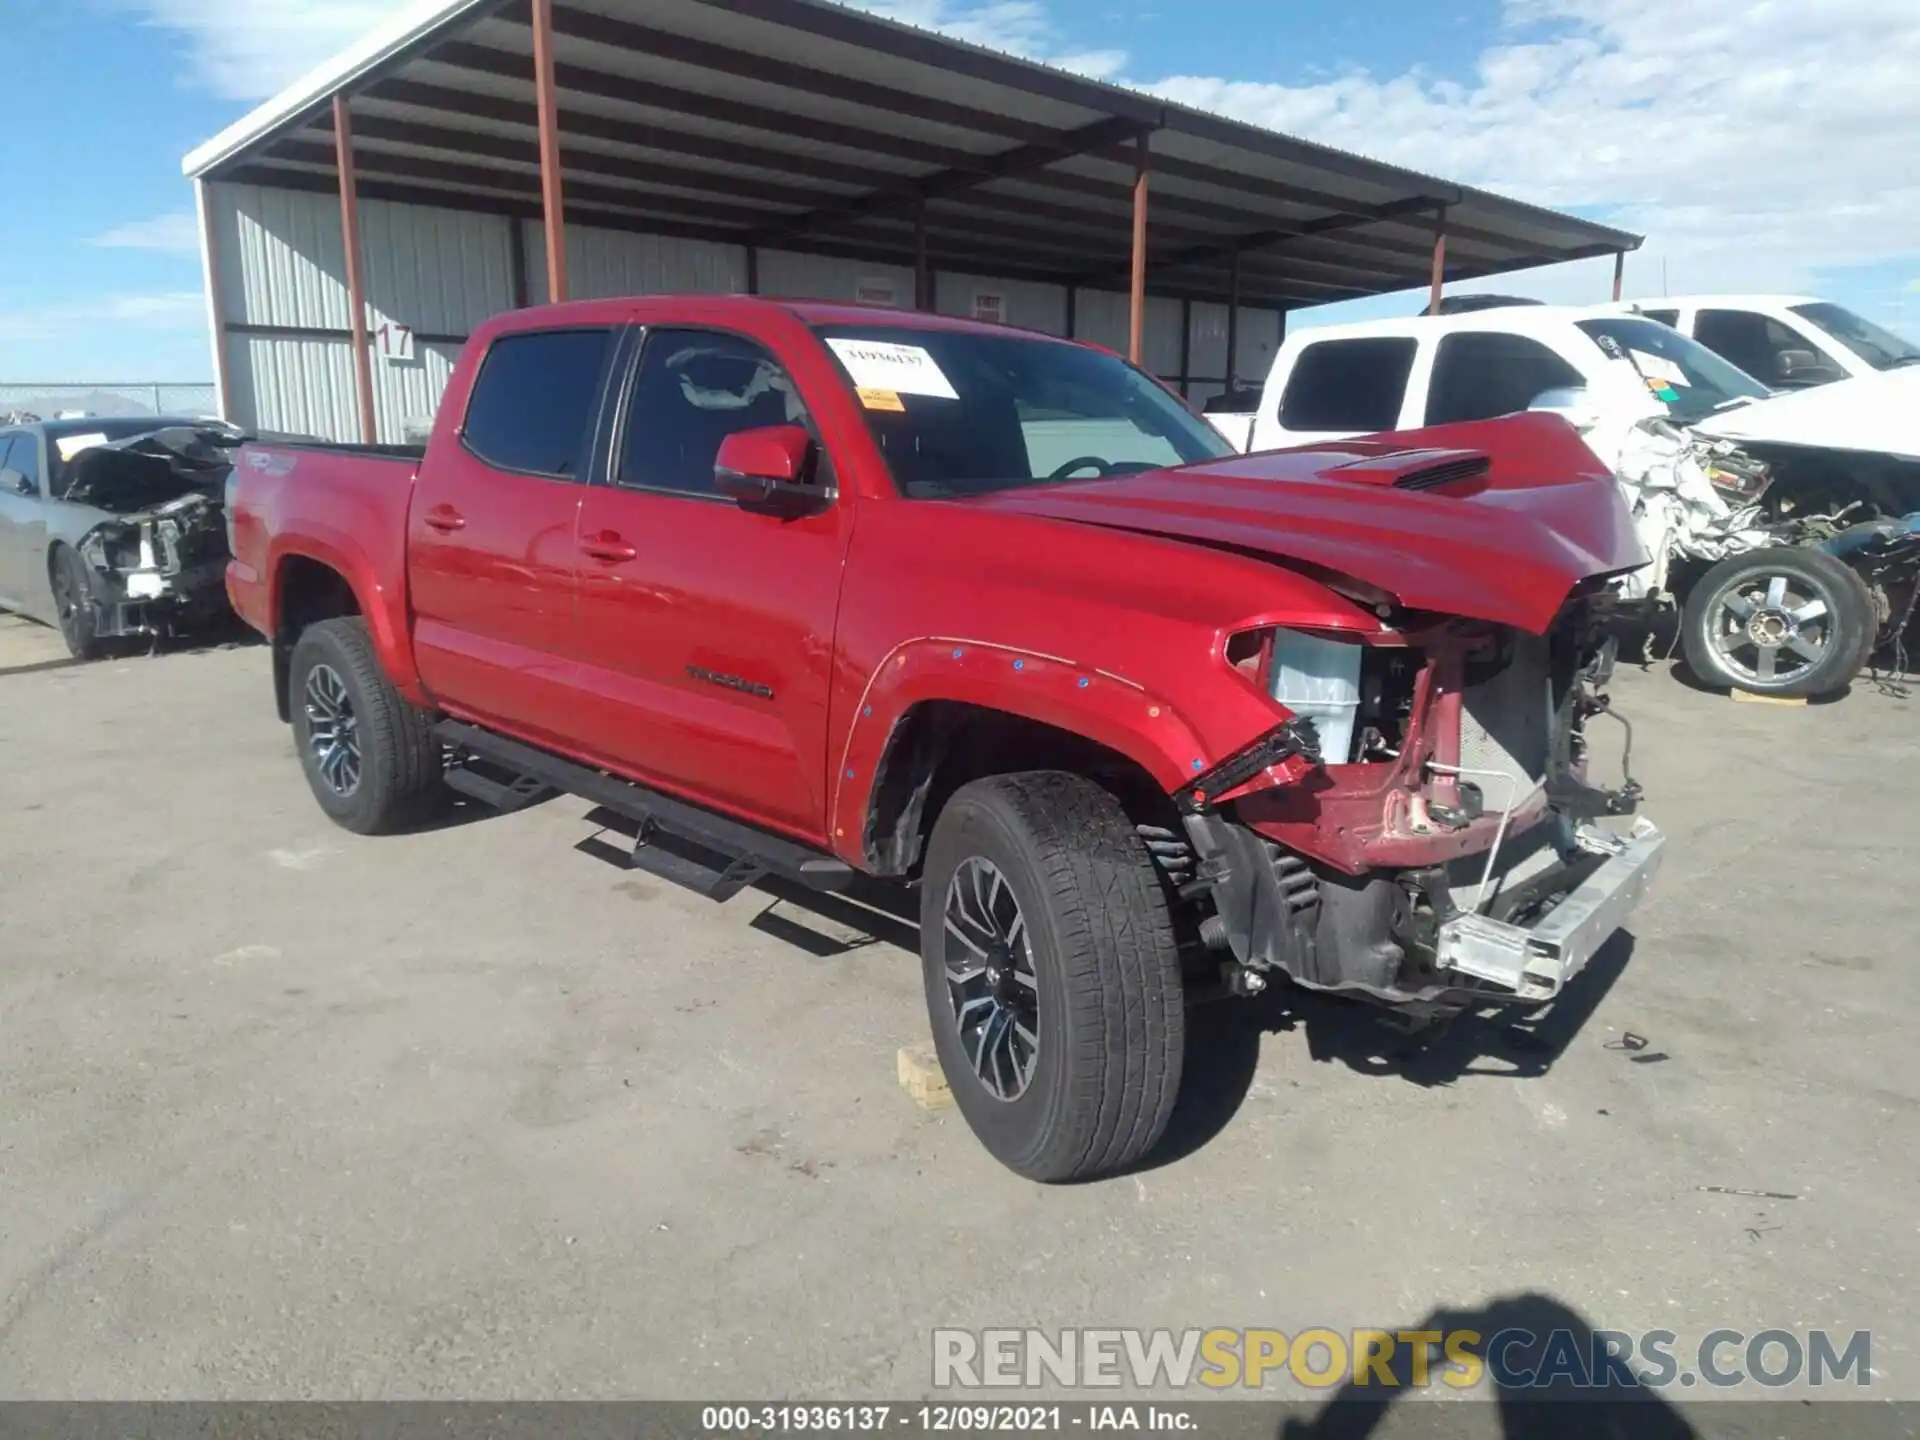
1878, 413
1505, 517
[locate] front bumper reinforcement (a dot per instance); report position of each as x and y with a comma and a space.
1533, 962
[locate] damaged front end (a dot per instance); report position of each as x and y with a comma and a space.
1455, 853
1697, 500
157, 559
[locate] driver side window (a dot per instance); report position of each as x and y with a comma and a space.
1753, 342
693, 389
22, 456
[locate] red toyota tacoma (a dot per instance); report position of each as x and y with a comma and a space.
815, 591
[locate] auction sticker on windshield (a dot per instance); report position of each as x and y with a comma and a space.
903, 369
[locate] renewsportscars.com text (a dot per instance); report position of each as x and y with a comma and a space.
1320, 1359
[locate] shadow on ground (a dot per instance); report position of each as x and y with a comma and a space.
1223, 1038
1548, 1371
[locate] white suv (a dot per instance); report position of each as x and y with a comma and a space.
1789, 552
1788, 341
1604, 370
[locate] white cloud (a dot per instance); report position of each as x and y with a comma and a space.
161, 310
177, 233
252, 49
1018, 27
1753, 145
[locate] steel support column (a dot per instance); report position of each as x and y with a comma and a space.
356, 277
1137, 329
1233, 322
1439, 261
1619, 271
211, 262
552, 194
922, 273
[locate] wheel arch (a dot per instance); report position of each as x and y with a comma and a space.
311, 582
934, 747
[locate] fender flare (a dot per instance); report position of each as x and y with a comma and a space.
381, 607
1095, 704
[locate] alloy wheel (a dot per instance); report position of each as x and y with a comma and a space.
991, 979
333, 731
1771, 629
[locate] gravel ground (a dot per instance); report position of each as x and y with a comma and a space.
471, 1113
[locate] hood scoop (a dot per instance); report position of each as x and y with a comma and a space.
1417, 469
1451, 472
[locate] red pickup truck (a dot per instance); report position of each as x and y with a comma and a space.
815, 591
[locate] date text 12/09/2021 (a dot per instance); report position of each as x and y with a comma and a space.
943, 1419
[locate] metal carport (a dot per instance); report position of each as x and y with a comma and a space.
799, 128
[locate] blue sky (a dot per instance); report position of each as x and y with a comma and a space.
1757, 147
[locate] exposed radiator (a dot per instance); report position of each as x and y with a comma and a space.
1506, 722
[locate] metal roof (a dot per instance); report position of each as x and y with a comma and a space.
805, 125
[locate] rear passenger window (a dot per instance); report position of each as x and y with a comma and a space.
534, 404
1478, 376
1348, 385
1665, 317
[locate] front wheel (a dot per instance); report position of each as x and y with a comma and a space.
74, 605
1779, 621
1052, 975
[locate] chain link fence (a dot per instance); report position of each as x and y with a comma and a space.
148, 397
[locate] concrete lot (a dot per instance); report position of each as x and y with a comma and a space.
284, 1112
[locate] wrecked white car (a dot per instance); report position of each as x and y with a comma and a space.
1789, 528
115, 528
1782, 525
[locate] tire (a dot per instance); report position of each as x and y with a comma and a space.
384, 772
1092, 949
1814, 607
73, 604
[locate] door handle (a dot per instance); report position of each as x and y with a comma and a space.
445, 519
608, 546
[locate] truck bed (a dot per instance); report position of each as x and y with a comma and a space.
344, 506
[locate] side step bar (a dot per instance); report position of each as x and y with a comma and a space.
749, 851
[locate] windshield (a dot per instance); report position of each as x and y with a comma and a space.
959, 412
1685, 376
1881, 349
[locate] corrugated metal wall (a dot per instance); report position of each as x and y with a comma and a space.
601, 263
441, 272
1020, 302
1257, 342
823, 277
283, 283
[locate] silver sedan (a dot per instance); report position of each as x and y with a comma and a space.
114, 527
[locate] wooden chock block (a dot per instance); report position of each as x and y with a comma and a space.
1747, 697
921, 1077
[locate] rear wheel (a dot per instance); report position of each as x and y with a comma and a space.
74, 606
1052, 975
370, 757
1779, 621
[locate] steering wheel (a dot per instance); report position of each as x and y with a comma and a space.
1100, 466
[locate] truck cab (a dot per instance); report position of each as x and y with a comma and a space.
1790, 342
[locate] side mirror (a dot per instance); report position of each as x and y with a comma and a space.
14, 482
765, 470
1571, 403
1802, 367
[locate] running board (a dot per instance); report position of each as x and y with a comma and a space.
507, 797
750, 851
